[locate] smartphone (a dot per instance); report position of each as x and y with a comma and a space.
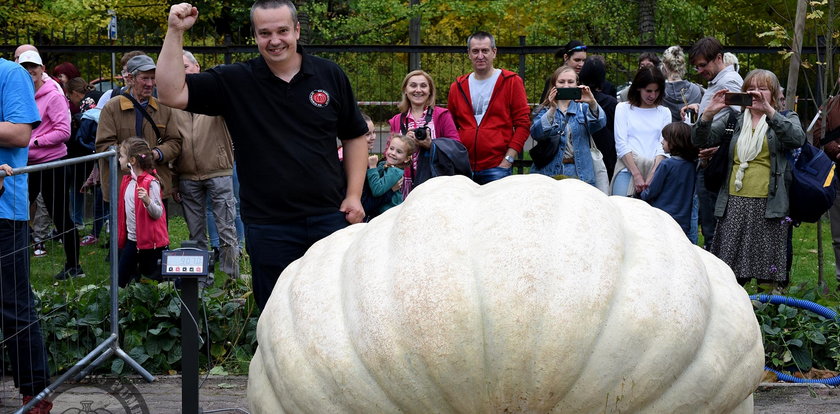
739, 99
566, 94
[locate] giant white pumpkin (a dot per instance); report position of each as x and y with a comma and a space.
524, 295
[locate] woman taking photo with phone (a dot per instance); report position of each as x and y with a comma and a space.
752, 204
567, 117
638, 132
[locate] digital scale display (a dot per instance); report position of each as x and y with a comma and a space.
185, 262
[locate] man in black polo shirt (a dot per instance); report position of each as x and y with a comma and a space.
284, 111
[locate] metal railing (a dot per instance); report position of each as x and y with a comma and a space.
110, 346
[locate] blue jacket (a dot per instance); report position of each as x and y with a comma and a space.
581, 123
672, 189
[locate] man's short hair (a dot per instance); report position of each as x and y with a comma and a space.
190, 57
707, 47
481, 36
274, 4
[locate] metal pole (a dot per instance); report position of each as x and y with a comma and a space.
189, 345
414, 36
112, 223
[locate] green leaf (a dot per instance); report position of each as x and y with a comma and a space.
117, 366
816, 337
802, 359
217, 350
218, 370
138, 354
174, 355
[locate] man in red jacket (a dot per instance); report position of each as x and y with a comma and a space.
490, 110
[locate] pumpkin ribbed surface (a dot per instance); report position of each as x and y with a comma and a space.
523, 295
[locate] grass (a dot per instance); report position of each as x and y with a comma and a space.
92, 259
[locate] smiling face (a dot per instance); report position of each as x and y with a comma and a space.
708, 70
35, 71
567, 79
417, 91
397, 152
576, 61
143, 84
276, 34
649, 95
482, 53
370, 136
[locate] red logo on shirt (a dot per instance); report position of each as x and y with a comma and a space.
319, 98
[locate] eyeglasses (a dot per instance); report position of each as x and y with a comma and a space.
581, 48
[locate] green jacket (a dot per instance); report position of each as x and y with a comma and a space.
784, 134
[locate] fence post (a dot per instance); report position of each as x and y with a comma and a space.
522, 57
414, 36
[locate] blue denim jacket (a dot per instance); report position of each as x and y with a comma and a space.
582, 123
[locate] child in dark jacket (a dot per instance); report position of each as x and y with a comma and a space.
672, 187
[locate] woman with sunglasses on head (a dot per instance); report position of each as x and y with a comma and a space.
573, 55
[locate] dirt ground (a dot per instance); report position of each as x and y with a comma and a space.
227, 394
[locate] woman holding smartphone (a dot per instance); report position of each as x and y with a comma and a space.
752, 204
638, 132
569, 114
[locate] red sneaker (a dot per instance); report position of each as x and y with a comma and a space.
42, 407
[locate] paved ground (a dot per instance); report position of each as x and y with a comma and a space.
134, 395
227, 394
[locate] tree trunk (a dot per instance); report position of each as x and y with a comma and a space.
647, 24
796, 58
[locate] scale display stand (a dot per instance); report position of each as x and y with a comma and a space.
189, 264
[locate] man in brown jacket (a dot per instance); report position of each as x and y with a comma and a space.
122, 119
205, 169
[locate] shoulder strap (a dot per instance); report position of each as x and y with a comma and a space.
146, 115
731, 123
404, 119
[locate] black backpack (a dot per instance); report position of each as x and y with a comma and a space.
814, 184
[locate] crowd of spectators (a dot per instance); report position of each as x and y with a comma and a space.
274, 121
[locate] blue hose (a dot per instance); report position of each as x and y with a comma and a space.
801, 304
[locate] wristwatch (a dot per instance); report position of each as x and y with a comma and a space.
509, 159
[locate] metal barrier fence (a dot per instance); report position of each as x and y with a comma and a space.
110, 346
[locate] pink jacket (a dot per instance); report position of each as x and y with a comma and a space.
441, 119
443, 127
54, 129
